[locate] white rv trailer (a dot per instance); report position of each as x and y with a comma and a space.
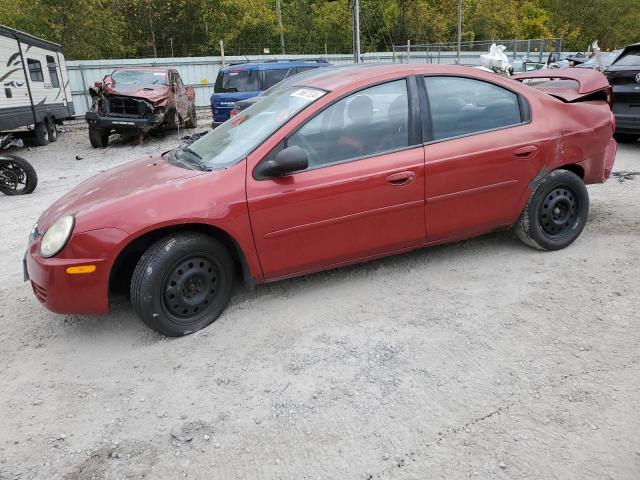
34, 85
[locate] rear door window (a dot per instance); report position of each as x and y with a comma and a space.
237, 80
463, 106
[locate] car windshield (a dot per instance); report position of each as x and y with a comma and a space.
139, 77
236, 80
237, 137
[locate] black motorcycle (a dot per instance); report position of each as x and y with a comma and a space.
17, 176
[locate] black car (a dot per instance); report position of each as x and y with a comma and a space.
624, 77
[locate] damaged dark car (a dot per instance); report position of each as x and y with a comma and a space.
133, 101
624, 76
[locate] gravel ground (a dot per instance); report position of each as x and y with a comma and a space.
482, 359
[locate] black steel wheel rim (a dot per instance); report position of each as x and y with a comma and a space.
191, 287
12, 176
559, 212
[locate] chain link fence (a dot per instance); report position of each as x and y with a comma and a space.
447, 53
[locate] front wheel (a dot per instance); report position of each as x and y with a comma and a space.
98, 137
192, 120
182, 283
556, 212
17, 176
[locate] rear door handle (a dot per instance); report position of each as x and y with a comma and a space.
525, 152
401, 178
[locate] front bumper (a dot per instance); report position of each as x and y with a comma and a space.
123, 123
62, 292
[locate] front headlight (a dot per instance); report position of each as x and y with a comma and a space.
56, 237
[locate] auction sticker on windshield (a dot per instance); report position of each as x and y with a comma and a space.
308, 93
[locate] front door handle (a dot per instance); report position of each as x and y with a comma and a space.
525, 152
401, 178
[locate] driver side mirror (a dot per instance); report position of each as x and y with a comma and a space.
289, 160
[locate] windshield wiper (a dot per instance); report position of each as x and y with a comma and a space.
195, 158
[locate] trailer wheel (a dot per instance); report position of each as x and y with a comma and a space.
98, 137
41, 133
52, 130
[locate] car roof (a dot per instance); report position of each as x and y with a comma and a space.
144, 69
276, 65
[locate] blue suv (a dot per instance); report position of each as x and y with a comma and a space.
246, 80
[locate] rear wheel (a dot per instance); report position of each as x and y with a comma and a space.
182, 283
41, 133
52, 130
556, 213
98, 137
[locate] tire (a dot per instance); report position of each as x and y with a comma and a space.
19, 172
98, 137
182, 283
52, 129
626, 138
556, 212
41, 133
192, 121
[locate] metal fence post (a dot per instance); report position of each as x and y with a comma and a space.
408, 51
84, 88
515, 49
528, 48
541, 49
222, 53
560, 41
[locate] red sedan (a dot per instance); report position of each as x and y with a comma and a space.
336, 166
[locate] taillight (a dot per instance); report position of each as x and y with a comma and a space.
613, 121
610, 97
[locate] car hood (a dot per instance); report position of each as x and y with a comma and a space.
118, 184
152, 93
